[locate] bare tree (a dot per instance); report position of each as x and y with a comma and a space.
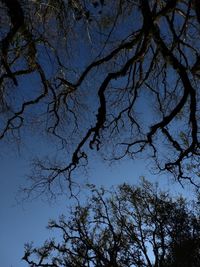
119, 76
133, 226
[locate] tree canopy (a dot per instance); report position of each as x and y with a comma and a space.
120, 77
132, 226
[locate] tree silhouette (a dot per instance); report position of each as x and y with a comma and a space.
131, 226
117, 76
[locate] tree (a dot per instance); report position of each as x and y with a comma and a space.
119, 76
137, 226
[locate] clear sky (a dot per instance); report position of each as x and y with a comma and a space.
21, 223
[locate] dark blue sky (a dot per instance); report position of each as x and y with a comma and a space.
21, 223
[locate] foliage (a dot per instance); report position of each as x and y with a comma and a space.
117, 76
136, 226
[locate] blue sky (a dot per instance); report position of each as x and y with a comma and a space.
21, 223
